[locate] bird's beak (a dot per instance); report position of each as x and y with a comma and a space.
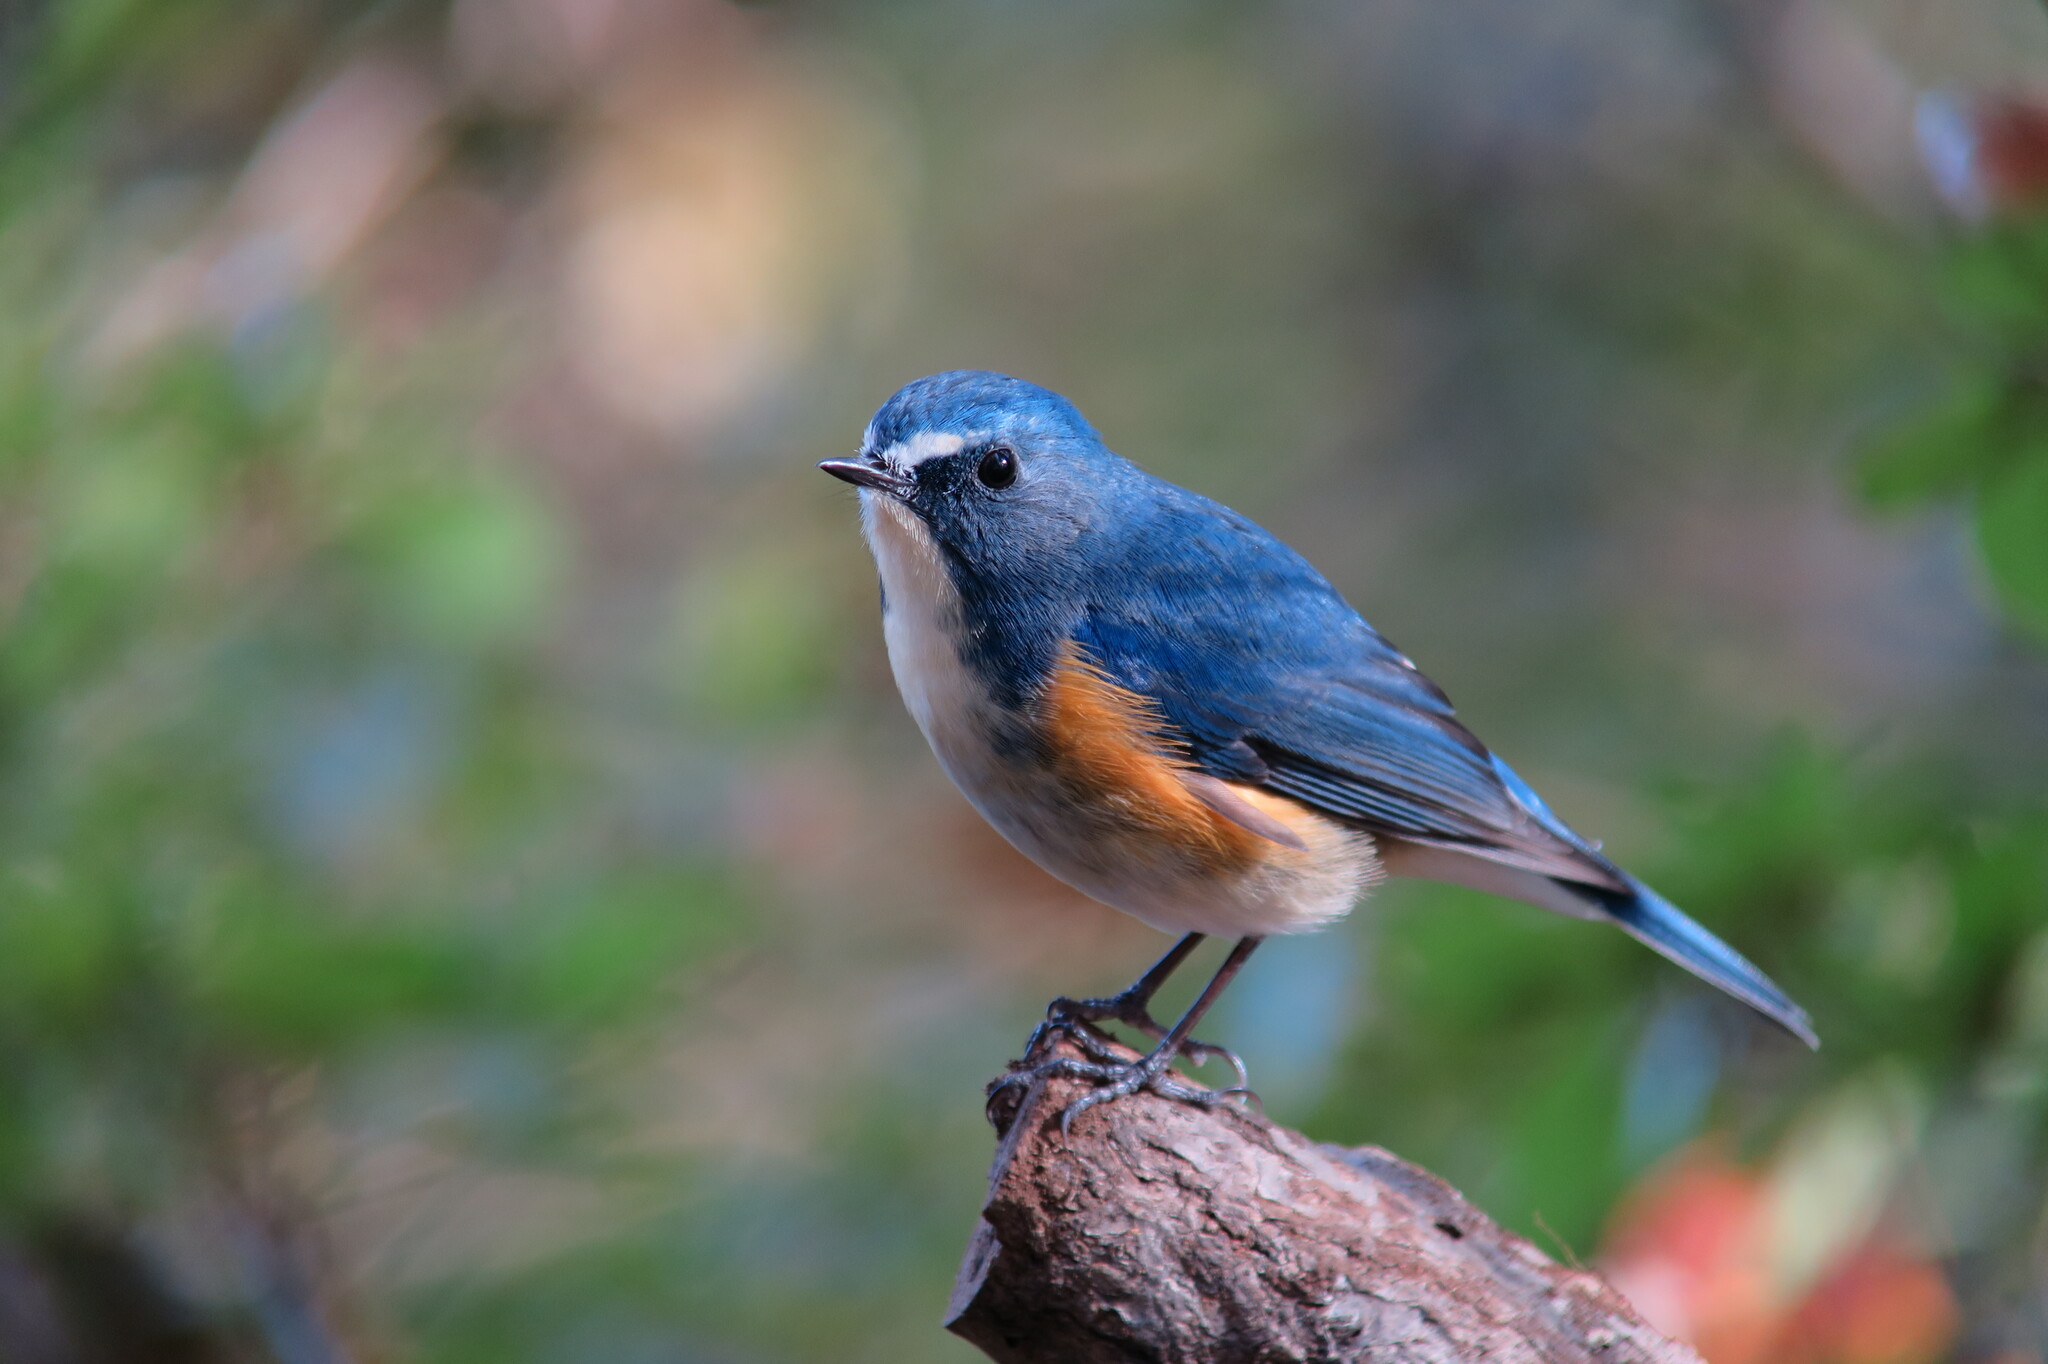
869, 473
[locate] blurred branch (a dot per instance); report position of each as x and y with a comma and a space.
1161, 1231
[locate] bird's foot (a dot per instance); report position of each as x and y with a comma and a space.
1076, 1018
1112, 1072
1108, 1065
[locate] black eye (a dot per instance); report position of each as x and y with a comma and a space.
998, 468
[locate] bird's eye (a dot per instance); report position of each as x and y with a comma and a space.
998, 468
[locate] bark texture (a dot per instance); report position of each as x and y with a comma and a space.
1165, 1233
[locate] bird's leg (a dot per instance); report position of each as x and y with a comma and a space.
1154, 1071
1133, 1007
1116, 1077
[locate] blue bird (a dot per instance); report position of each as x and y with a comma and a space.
1170, 710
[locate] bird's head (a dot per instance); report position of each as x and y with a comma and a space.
996, 470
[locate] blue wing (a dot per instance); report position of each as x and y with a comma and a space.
1272, 678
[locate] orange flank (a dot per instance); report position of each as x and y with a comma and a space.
1111, 753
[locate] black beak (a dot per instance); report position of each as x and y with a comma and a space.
865, 474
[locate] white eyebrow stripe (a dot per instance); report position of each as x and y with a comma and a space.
908, 454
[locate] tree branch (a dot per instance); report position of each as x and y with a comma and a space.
1161, 1232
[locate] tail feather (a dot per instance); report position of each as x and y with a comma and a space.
1651, 919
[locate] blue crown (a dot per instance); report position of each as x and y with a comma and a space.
965, 400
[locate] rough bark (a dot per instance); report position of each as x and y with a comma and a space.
1165, 1233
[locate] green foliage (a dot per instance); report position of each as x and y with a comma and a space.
282, 789
1988, 439
2012, 531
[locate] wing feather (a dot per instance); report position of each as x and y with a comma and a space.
1271, 677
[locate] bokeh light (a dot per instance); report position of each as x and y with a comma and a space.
468, 889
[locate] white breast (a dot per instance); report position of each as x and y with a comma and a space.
922, 625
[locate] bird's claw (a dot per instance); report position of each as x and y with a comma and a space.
1107, 1065
1076, 1018
1199, 1053
1113, 1077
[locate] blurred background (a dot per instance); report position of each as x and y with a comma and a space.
469, 890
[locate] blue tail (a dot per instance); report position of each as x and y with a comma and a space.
1654, 920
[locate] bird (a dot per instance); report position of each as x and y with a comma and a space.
1169, 709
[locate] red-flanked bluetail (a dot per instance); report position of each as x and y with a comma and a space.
1170, 710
